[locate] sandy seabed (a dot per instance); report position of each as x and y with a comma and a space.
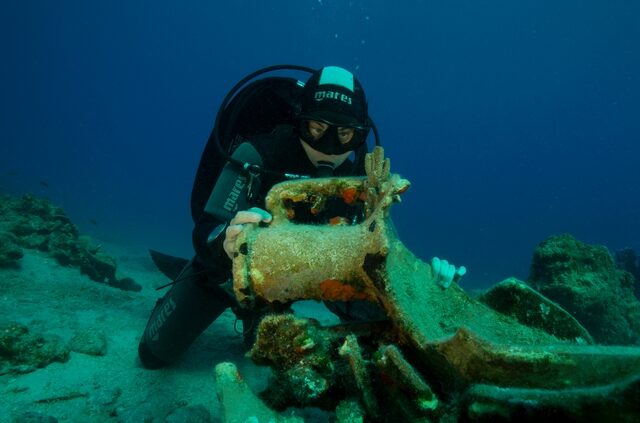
55, 300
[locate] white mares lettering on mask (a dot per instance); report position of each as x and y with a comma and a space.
332, 95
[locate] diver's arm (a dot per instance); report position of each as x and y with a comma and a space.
228, 196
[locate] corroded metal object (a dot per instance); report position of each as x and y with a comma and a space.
452, 339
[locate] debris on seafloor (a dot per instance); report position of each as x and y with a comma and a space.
442, 355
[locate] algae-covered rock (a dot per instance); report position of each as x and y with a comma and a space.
300, 355
627, 259
22, 351
516, 299
126, 284
284, 340
34, 223
349, 411
90, 342
99, 267
10, 252
584, 280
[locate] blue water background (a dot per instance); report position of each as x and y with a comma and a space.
514, 120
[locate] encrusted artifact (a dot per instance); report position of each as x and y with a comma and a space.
444, 355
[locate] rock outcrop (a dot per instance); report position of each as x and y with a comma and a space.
34, 223
584, 280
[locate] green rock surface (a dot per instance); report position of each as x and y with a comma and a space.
22, 351
34, 223
584, 280
516, 299
10, 252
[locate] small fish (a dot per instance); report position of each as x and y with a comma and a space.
93, 221
44, 184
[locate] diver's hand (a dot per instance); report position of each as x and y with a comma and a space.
254, 216
445, 273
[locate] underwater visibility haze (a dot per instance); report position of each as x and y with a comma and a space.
514, 121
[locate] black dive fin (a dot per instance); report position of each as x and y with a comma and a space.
169, 265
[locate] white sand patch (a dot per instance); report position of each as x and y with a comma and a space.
53, 300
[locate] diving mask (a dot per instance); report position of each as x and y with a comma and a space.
330, 138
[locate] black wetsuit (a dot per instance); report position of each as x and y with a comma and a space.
197, 299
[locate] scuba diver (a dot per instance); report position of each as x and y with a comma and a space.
266, 132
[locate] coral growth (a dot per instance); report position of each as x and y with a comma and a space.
301, 357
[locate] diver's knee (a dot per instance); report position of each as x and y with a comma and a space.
148, 359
